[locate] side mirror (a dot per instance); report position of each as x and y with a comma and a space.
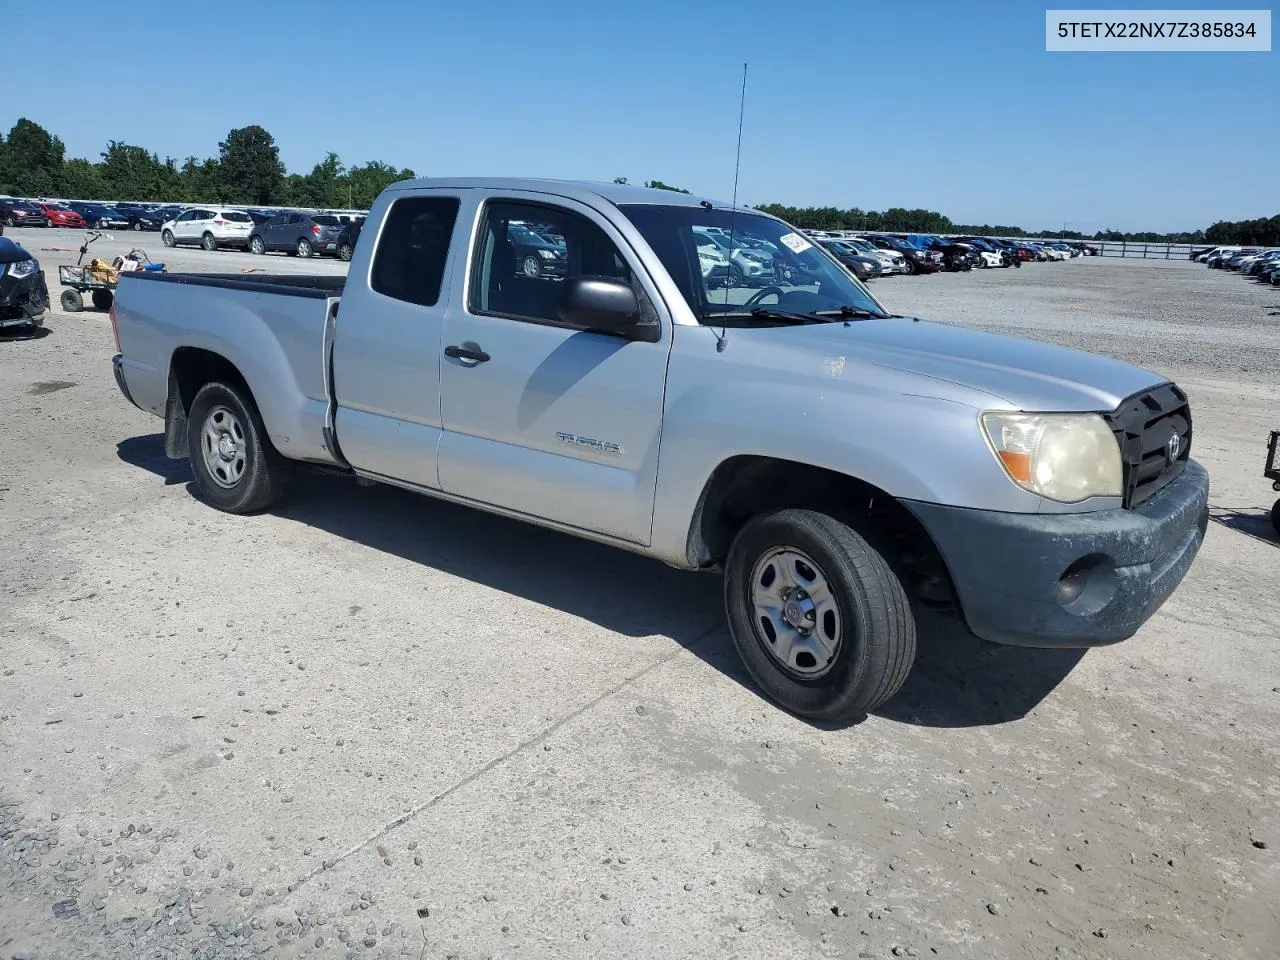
601, 303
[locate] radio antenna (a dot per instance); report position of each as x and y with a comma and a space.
721, 342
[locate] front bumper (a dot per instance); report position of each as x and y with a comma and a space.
23, 300
1070, 580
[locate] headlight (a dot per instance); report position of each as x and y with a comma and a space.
546, 254
23, 268
1066, 457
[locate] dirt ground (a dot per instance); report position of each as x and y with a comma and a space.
369, 724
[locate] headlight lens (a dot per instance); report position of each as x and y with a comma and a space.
1066, 457
23, 268
546, 254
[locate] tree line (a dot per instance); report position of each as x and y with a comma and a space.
247, 170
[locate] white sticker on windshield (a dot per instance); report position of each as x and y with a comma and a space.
795, 243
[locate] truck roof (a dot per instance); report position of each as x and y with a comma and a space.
616, 193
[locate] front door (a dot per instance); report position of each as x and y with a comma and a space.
541, 417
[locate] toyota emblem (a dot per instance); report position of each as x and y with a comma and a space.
1173, 447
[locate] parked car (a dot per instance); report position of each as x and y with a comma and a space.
348, 237
993, 255
1204, 256
209, 227
891, 261
140, 217
300, 234
832, 459
748, 266
60, 215
915, 259
24, 296
100, 216
863, 267
21, 213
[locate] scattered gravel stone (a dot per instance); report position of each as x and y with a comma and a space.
424, 912
626, 919
1101, 933
993, 909
66, 908
246, 891
1259, 844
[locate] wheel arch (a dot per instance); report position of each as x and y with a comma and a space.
190, 368
745, 486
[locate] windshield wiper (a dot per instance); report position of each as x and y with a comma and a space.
847, 312
765, 313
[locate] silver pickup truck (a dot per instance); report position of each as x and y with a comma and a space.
579, 356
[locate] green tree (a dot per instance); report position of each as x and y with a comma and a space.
131, 173
659, 185
361, 184
83, 180
31, 160
249, 166
200, 181
320, 187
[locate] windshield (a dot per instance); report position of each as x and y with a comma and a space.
799, 278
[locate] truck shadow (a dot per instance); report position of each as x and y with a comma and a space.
958, 680
1252, 522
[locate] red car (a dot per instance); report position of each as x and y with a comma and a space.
60, 216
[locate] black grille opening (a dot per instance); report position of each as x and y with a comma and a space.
1145, 426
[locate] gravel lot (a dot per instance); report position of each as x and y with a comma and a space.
369, 724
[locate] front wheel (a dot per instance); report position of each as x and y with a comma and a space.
1275, 516
818, 616
257, 245
734, 277
137, 225
209, 242
910, 267
344, 252
71, 301
235, 466
167, 239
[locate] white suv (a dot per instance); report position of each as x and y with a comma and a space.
210, 227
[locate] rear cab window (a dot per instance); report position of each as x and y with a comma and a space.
235, 216
413, 248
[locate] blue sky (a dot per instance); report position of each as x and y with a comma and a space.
952, 106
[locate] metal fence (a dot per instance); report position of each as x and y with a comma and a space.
1148, 251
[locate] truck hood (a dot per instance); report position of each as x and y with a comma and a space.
1025, 374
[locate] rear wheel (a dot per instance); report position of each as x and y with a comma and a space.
234, 464
167, 239
257, 245
103, 299
209, 242
71, 301
818, 616
304, 248
137, 225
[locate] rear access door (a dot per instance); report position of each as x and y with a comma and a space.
386, 350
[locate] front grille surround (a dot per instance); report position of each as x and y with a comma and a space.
1143, 426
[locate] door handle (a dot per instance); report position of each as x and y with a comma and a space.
466, 352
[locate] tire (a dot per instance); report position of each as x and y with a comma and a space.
241, 473
734, 277
304, 248
9, 221
71, 301
209, 242
137, 225
167, 239
345, 252
257, 246
1275, 517
868, 623
102, 299
530, 267
910, 268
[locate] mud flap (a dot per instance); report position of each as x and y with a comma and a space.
175, 423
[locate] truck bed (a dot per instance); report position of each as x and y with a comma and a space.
271, 327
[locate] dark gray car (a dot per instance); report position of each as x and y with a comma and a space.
299, 234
